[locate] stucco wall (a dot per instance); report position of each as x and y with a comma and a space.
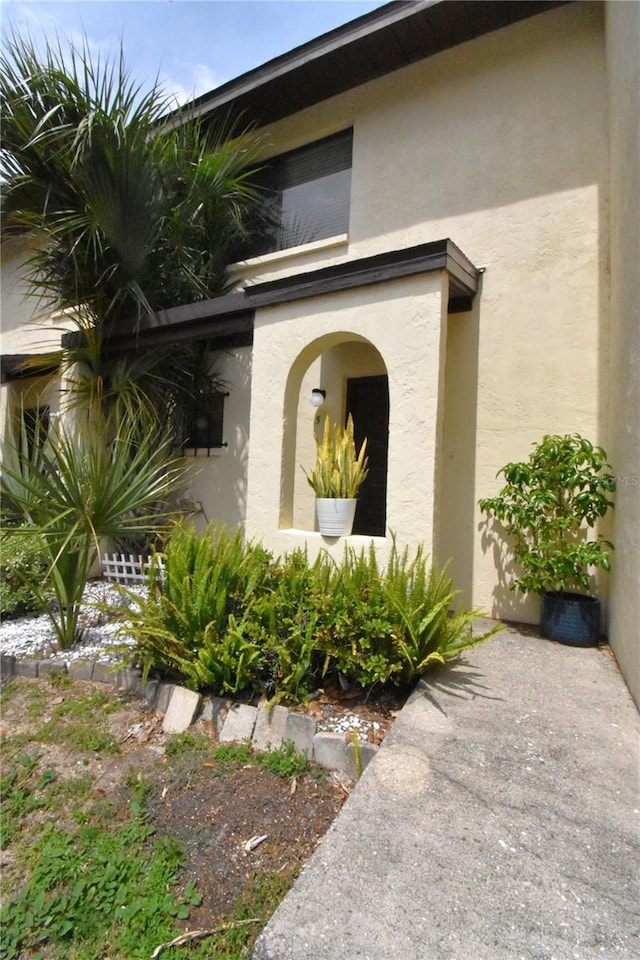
218, 482
27, 327
623, 71
499, 144
405, 321
26, 323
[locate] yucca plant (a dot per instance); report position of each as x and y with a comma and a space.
340, 469
82, 485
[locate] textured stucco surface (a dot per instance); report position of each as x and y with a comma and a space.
219, 482
404, 322
623, 50
500, 145
522, 147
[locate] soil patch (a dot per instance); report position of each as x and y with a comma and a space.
215, 809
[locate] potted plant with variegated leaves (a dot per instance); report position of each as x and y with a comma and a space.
339, 472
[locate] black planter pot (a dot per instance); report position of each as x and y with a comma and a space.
571, 618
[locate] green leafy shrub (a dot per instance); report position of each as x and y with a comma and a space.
546, 507
287, 621
23, 562
390, 627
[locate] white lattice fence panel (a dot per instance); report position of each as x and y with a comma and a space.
129, 569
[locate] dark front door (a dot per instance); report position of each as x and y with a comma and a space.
368, 404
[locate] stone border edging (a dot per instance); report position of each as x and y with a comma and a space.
234, 722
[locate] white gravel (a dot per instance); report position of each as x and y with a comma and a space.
33, 636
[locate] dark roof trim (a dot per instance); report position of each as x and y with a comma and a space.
21, 366
223, 333
391, 37
228, 321
424, 258
229, 305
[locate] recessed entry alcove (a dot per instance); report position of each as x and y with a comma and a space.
353, 377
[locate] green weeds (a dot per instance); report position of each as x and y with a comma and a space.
179, 744
285, 761
97, 890
23, 789
190, 753
102, 883
79, 724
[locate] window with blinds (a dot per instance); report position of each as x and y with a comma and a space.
308, 194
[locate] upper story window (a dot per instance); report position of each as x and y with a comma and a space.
308, 192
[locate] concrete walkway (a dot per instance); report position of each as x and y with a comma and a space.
499, 821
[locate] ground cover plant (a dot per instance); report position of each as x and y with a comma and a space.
227, 616
116, 844
22, 562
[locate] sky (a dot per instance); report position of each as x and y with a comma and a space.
192, 46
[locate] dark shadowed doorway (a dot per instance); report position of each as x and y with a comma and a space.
368, 403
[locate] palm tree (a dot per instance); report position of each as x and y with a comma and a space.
137, 212
76, 488
129, 212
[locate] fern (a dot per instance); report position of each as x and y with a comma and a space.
224, 615
191, 624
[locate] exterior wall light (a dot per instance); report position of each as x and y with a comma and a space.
317, 396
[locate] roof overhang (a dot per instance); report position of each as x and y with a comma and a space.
391, 37
225, 322
439, 255
228, 321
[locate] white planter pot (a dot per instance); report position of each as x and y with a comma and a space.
335, 516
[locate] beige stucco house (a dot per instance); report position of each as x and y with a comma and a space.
457, 265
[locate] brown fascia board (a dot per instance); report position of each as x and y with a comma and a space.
371, 46
227, 321
423, 258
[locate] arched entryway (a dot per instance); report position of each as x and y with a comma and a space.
353, 376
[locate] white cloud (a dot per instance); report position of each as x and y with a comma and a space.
199, 79
33, 20
205, 79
